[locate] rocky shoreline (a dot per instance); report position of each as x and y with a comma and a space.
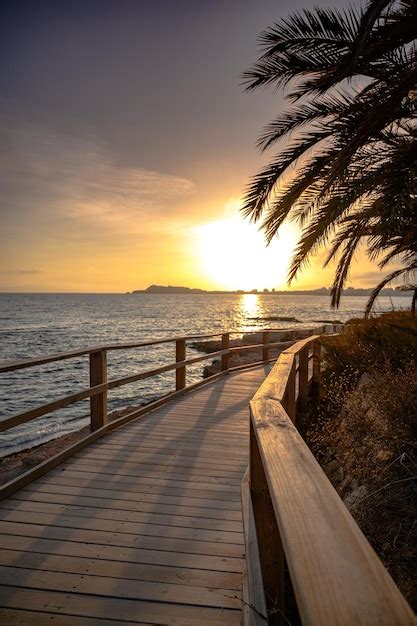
248, 356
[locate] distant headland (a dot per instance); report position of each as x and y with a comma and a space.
322, 291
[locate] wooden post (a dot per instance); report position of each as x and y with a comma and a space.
265, 349
98, 403
289, 398
225, 357
315, 387
302, 403
180, 356
271, 553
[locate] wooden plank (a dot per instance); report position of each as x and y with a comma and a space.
144, 469
98, 376
138, 487
289, 400
149, 516
160, 473
130, 505
236, 458
133, 528
121, 480
108, 586
302, 402
115, 514
19, 617
161, 459
189, 437
225, 357
180, 357
188, 449
87, 535
59, 544
121, 570
125, 609
31, 475
315, 386
186, 500
271, 553
336, 575
254, 610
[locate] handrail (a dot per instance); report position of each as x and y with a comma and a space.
299, 518
99, 386
10, 366
102, 386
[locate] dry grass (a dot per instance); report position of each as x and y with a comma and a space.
364, 434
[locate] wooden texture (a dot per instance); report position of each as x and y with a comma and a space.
180, 358
254, 610
98, 376
315, 386
302, 401
271, 554
142, 526
98, 392
11, 366
338, 579
225, 357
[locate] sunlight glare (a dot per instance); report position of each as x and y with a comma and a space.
233, 254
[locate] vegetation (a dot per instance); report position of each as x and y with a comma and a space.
346, 163
389, 340
364, 434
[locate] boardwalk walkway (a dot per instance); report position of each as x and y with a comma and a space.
143, 526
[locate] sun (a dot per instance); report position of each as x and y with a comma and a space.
233, 254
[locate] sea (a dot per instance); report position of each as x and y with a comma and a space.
34, 325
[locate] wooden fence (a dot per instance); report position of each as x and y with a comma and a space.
293, 514
100, 385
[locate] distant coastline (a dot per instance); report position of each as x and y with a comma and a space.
322, 291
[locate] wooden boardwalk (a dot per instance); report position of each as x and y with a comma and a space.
144, 526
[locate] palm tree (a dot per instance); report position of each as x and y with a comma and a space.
346, 167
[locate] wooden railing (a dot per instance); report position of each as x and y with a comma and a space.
100, 385
293, 514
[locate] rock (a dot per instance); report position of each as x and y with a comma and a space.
276, 318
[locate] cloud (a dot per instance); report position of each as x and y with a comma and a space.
21, 272
74, 179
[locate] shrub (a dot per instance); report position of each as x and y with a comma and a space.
389, 340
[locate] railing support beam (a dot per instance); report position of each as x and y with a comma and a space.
179, 357
271, 553
315, 386
98, 403
302, 403
289, 398
225, 357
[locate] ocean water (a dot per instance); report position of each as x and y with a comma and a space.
40, 324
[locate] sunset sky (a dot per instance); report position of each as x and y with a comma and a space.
126, 143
